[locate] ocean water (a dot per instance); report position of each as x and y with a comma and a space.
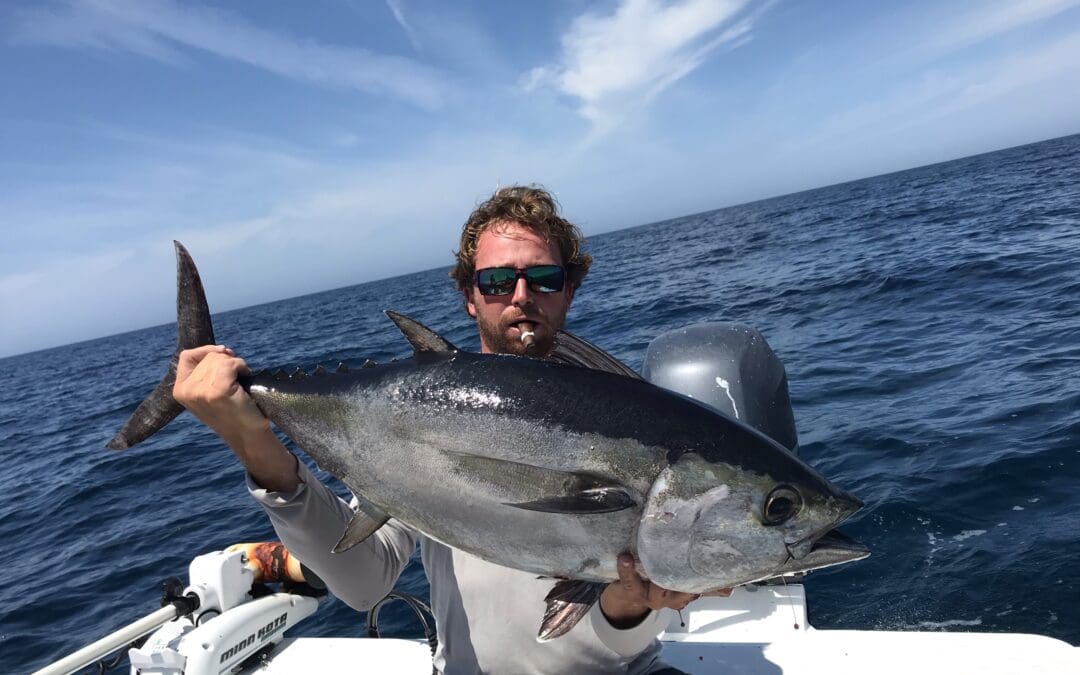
929, 321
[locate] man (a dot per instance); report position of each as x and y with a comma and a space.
518, 268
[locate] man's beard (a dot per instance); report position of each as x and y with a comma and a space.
495, 336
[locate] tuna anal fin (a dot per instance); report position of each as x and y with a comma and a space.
537, 488
567, 604
367, 519
572, 350
422, 338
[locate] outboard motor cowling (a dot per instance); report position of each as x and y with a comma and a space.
730, 367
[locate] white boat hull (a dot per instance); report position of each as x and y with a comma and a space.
760, 631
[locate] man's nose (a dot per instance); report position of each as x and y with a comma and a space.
522, 293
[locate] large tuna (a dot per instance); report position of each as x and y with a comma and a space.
553, 466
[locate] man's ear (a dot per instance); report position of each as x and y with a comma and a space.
470, 307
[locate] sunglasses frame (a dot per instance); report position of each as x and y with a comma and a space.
520, 273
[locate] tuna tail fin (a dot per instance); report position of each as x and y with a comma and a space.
193, 329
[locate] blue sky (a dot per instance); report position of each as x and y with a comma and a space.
297, 147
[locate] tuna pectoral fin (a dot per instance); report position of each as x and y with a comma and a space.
367, 519
193, 329
536, 488
592, 500
567, 604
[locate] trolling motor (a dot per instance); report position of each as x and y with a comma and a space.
223, 617
234, 620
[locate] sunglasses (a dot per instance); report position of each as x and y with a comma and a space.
503, 280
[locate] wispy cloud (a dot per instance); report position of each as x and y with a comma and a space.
144, 181
948, 95
992, 20
399, 15
621, 61
157, 29
61, 307
1056, 59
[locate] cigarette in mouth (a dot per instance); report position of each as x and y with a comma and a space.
528, 336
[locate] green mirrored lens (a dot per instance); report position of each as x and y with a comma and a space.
545, 278
497, 280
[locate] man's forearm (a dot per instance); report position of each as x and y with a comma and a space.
268, 462
310, 521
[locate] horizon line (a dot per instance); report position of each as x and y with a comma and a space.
449, 265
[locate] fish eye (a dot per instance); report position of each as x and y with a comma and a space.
782, 504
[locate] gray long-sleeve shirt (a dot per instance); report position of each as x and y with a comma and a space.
487, 615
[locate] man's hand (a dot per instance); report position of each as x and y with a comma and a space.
626, 602
206, 385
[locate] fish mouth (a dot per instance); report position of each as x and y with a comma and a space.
848, 506
832, 548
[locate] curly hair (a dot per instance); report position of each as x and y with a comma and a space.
534, 208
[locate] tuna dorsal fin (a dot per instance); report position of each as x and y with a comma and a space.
567, 603
365, 521
422, 338
572, 350
537, 488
